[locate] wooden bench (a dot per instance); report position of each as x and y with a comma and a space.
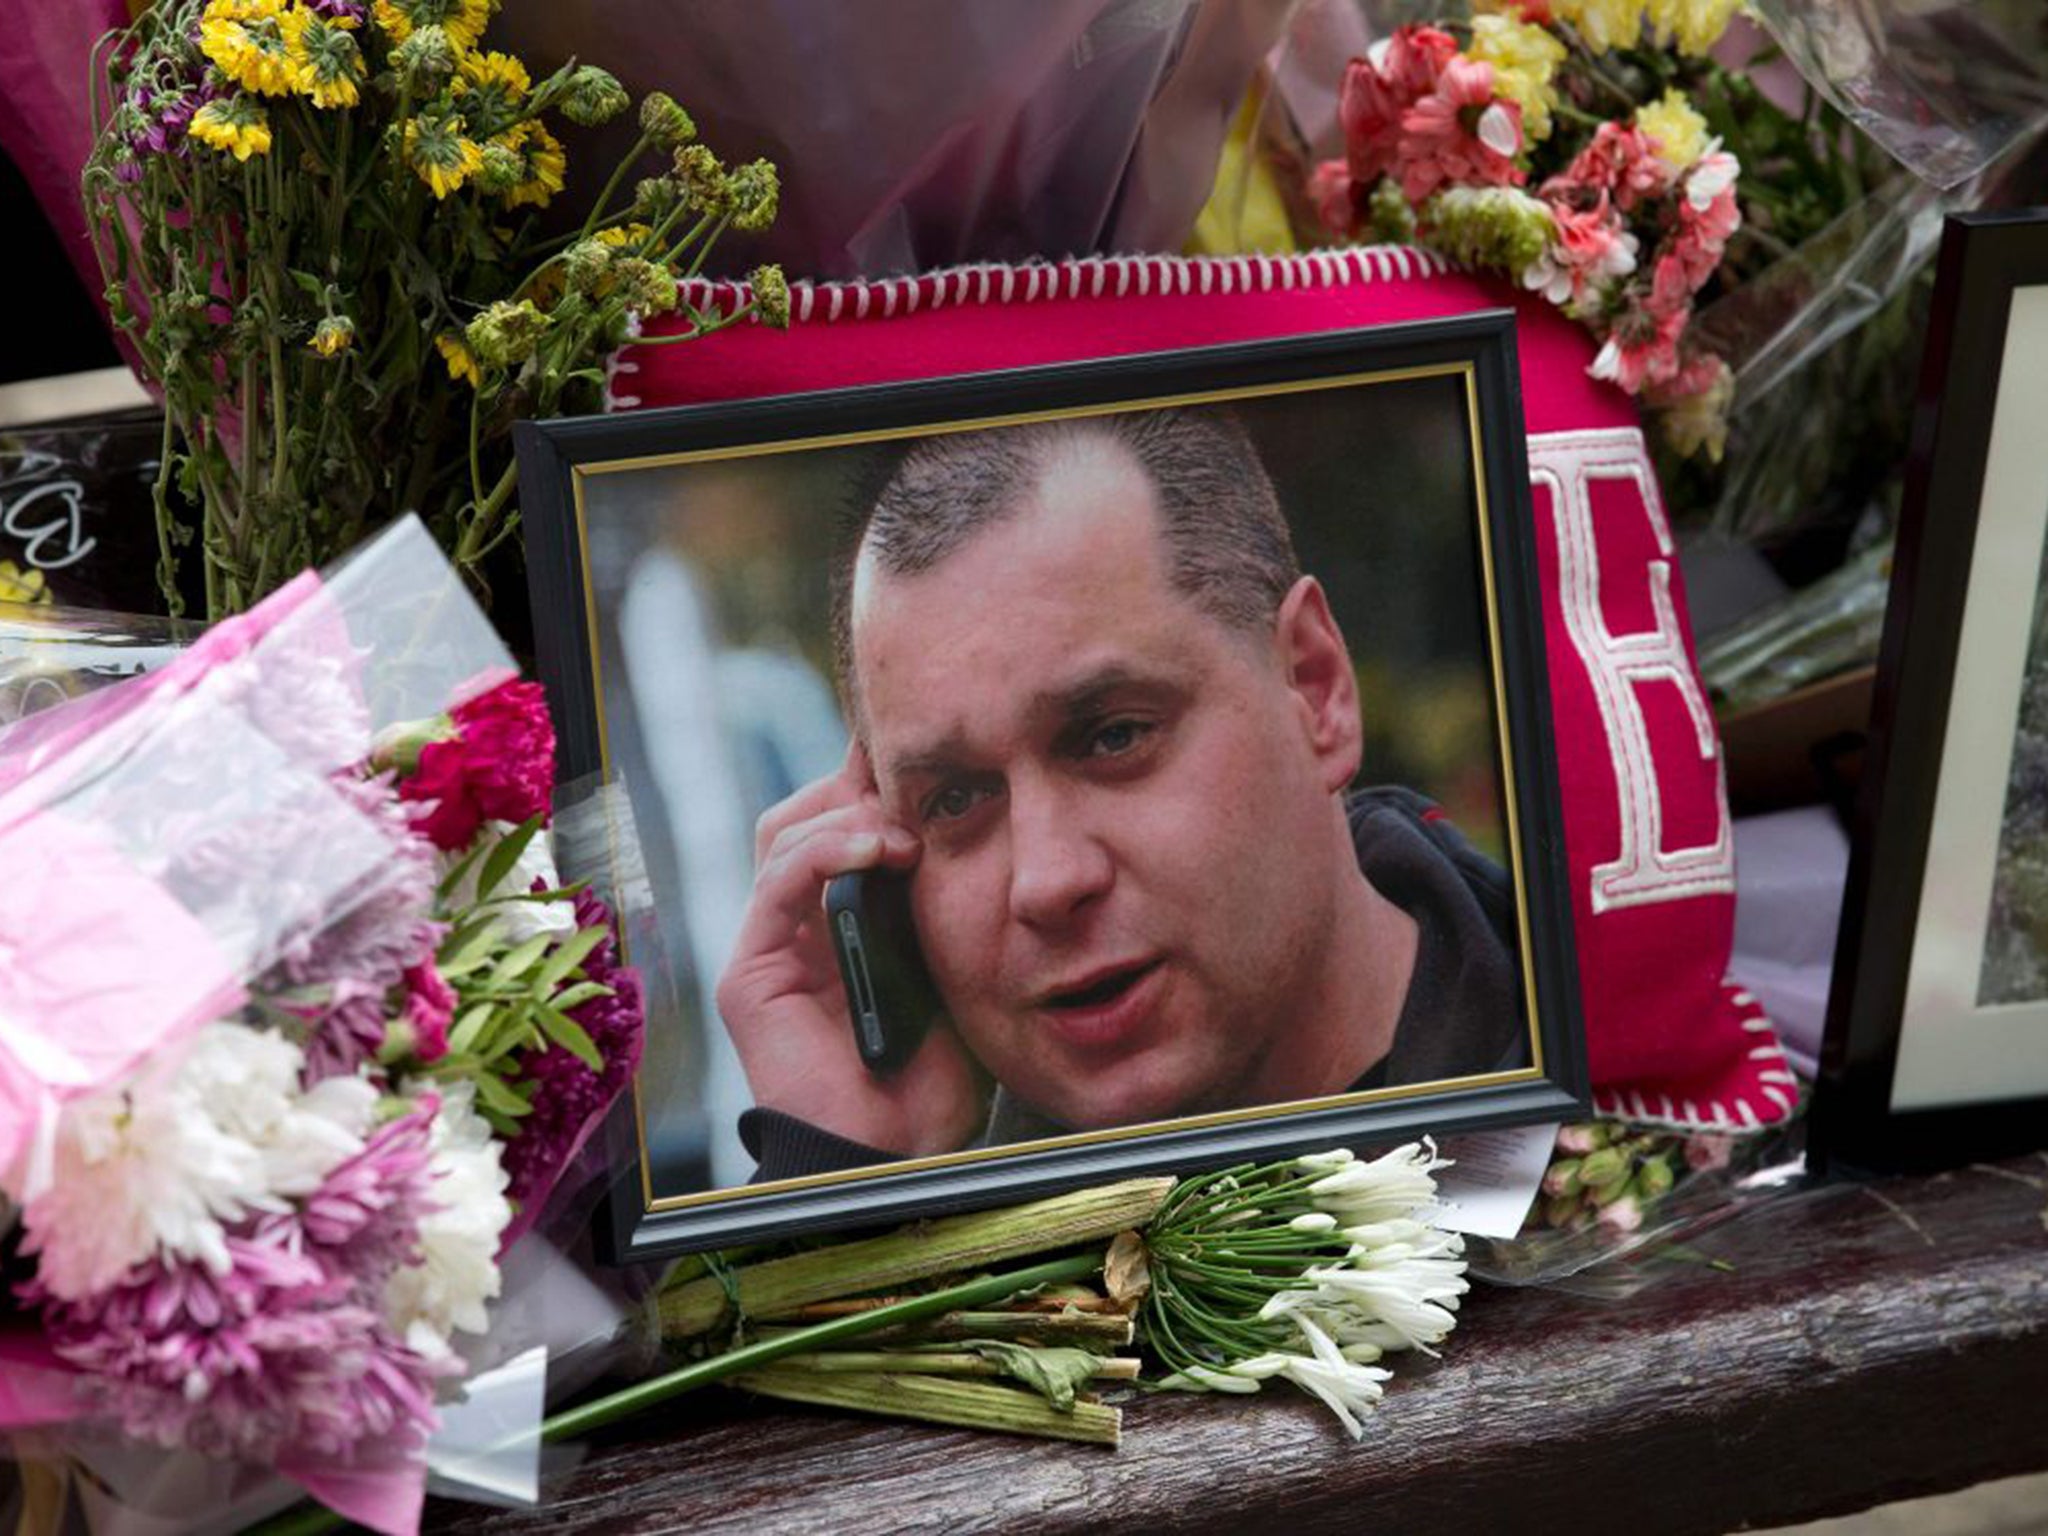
1825, 1351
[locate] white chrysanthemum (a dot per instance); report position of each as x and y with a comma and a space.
457, 1274
518, 921
160, 1162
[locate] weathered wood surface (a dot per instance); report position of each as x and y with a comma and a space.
1870, 1342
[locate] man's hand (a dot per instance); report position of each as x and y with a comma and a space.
781, 996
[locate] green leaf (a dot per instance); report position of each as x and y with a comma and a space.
461, 867
581, 993
569, 1035
467, 946
1052, 1373
504, 856
574, 951
519, 960
469, 1026
310, 285
494, 1093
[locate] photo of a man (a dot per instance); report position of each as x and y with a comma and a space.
1108, 731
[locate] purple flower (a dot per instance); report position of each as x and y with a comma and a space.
570, 1098
288, 1350
337, 10
362, 952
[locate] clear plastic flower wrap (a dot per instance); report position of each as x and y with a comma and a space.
1621, 1204
300, 1028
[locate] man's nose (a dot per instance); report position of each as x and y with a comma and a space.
1058, 864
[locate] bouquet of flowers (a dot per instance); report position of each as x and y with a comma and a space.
1593, 152
305, 1030
316, 220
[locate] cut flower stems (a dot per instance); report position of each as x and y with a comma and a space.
1309, 1270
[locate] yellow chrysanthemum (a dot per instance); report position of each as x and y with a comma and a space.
440, 153
621, 235
1680, 132
1604, 24
330, 65
1524, 59
1696, 25
542, 163
233, 124
464, 20
460, 360
19, 586
246, 41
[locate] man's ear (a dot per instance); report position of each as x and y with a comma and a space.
1317, 666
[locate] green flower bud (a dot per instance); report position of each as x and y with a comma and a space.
1654, 1178
1560, 1210
593, 96
334, 334
1608, 1166
755, 190
665, 121
425, 59
1613, 1190
505, 335
771, 296
1563, 1178
503, 169
584, 265
653, 198
701, 181
646, 286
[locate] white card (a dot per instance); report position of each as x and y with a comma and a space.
1493, 1179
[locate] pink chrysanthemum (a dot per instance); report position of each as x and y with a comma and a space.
288, 1349
1459, 134
499, 766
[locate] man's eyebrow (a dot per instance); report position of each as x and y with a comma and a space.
1079, 699
1088, 694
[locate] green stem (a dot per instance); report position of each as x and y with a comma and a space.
309, 1519
590, 222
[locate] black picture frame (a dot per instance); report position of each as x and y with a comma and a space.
1912, 1076
556, 458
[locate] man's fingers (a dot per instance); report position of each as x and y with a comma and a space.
813, 800
802, 858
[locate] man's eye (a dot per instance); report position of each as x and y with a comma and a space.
1117, 737
950, 803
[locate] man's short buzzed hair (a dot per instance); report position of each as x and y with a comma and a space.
1227, 546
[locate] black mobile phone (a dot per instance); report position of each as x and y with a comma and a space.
889, 993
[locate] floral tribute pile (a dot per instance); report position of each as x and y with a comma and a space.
1561, 142
254, 1216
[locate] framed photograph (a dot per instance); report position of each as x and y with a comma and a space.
1937, 1042
1041, 777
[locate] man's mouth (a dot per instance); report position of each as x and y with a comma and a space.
1099, 1009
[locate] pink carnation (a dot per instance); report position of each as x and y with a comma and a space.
429, 1009
499, 766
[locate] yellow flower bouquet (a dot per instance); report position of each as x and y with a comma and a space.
322, 226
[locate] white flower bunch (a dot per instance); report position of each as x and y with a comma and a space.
1347, 1266
163, 1161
